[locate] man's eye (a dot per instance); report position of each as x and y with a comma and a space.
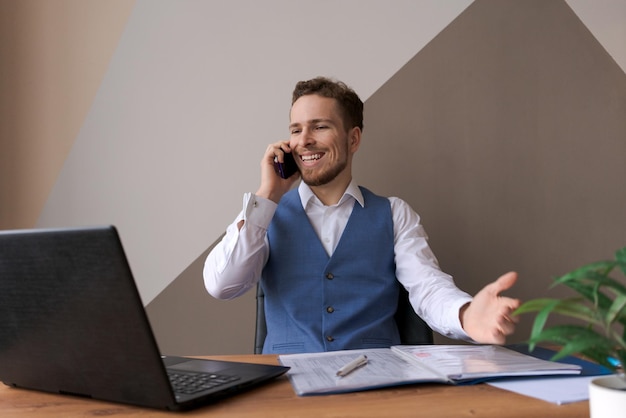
295, 131
320, 127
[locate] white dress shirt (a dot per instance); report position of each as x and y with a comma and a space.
235, 264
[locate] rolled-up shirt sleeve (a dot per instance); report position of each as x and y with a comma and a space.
235, 264
433, 293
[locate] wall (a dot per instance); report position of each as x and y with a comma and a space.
54, 55
152, 115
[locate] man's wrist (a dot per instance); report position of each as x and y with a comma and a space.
258, 210
462, 312
269, 195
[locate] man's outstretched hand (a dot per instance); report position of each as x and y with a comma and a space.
487, 318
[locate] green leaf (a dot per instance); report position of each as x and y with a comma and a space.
573, 308
600, 355
616, 311
591, 270
613, 285
620, 256
588, 279
601, 306
533, 305
586, 339
590, 292
569, 332
576, 339
541, 318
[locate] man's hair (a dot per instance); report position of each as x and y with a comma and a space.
349, 102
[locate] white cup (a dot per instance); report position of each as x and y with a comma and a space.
607, 397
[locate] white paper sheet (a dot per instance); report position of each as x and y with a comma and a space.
316, 373
558, 390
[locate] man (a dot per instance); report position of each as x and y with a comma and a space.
331, 255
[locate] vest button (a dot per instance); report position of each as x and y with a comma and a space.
330, 338
330, 309
329, 276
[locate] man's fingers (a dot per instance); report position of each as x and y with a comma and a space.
514, 319
488, 318
504, 282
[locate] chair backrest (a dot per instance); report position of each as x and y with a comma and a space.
261, 327
413, 329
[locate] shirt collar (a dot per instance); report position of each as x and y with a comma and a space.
352, 191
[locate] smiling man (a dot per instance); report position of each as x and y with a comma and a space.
331, 255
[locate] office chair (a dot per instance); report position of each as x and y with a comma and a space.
413, 329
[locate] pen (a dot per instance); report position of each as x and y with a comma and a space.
353, 365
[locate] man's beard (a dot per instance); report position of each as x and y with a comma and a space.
325, 177
314, 178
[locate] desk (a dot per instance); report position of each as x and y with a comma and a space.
277, 399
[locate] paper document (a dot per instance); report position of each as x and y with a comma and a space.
558, 390
316, 373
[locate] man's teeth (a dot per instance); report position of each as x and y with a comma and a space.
311, 157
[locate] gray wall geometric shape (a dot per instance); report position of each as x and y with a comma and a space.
187, 321
507, 134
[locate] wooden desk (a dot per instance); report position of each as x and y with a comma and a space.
277, 399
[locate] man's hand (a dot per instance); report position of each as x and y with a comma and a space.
272, 186
487, 318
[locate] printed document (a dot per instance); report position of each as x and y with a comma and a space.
316, 373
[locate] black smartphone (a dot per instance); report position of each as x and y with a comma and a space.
286, 169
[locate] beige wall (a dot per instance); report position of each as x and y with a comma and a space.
54, 56
501, 123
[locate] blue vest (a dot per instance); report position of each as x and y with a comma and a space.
314, 302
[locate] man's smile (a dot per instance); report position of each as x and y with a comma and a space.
312, 157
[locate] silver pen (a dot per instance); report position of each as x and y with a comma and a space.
352, 366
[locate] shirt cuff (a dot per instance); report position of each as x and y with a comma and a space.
457, 327
258, 211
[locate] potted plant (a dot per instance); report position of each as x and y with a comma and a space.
599, 329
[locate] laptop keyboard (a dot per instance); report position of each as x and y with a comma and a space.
189, 383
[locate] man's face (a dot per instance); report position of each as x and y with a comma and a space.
319, 140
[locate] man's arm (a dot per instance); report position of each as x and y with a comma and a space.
433, 293
235, 263
485, 318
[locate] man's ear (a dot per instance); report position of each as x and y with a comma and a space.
355, 138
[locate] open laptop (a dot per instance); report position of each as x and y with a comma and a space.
72, 322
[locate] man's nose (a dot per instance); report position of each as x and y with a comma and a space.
305, 138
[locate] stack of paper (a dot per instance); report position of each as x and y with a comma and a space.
400, 365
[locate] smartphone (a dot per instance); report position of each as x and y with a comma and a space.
286, 169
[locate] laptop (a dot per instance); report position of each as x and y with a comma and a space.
72, 322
